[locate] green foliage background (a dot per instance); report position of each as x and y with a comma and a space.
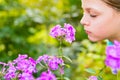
25, 26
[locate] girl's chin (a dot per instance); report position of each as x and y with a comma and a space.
93, 39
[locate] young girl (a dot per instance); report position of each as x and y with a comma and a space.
101, 19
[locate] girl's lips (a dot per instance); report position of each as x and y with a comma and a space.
88, 32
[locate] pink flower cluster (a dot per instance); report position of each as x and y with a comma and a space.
23, 67
67, 32
113, 57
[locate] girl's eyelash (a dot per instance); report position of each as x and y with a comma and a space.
93, 15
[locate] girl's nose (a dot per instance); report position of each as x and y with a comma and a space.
84, 21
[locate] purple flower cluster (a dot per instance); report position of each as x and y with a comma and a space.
92, 78
67, 32
23, 67
53, 62
113, 57
48, 75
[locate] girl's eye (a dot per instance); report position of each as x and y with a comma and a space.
93, 15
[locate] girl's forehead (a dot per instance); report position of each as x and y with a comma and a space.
89, 3
98, 5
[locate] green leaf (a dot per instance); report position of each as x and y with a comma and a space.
89, 70
67, 58
68, 66
99, 78
66, 78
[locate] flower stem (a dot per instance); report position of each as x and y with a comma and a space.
117, 76
101, 71
61, 77
60, 48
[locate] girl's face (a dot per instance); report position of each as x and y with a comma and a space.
100, 21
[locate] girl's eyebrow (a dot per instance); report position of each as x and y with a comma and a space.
92, 9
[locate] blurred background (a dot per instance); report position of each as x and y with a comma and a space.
25, 26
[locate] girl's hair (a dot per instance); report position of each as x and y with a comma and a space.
115, 4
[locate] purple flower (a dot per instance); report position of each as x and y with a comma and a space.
25, 76
92, 78
11, 72
112, 62
32, 66
54, 63
70, 33
57, 31
44, 58
67, 32
26, 65
113, 51
3, 68
113, 57
20, 57
47, 76
23, 67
